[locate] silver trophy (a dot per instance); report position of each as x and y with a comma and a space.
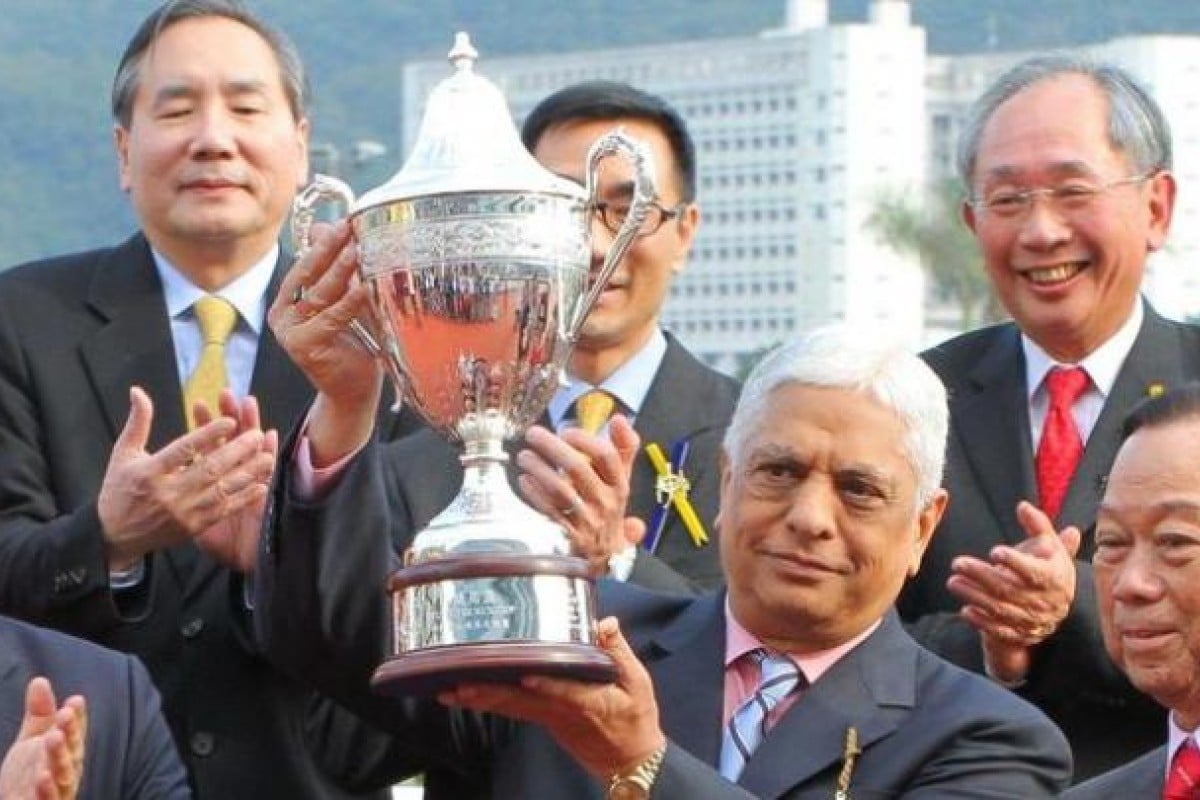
478, 265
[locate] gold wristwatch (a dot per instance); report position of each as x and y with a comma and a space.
636, 784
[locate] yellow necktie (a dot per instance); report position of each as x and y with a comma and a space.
593, 409
217, 318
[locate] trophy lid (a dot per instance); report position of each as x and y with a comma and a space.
467, 143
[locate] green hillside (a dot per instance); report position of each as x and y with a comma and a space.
58, 184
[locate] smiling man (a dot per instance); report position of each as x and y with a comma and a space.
1066, 170
1147, 567
829, 496
126, 517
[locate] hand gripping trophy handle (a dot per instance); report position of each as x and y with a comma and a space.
322, 189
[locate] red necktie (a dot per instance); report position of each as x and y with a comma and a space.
1061, 446
1183, 779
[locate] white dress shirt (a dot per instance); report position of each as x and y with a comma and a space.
1101, 365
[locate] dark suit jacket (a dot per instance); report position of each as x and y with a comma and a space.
927, 728
686, 400
75, 334
1143, 777
989, 468
128, 751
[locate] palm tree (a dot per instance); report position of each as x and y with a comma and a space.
934, 232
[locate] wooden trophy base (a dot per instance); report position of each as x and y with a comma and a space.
427, 672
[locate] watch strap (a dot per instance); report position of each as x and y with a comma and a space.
643, 775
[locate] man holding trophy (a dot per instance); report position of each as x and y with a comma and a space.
828, 498
475, 275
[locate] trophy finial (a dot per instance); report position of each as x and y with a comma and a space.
463, 55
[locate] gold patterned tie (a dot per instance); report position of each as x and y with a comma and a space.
217, 318
593, 410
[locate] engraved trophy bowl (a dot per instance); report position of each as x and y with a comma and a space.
478, 263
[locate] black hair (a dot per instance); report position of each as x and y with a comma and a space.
603, 100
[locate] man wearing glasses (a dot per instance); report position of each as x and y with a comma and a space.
675, 403
1066, 168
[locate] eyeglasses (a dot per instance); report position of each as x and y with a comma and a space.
613, 215
1069, 198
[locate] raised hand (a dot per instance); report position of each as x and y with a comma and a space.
1019, 597
46, 760
311, 317
583, 482
150, 500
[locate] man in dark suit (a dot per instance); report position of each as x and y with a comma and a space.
1148, 588
673, 400
125, 746
829, 494
1067, 171
117, 522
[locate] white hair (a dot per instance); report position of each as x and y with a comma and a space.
838, 357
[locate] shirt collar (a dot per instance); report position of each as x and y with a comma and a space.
1176, 737
629, 383
739, 642
247, 293
1101, 365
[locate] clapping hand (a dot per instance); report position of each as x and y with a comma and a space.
46, 760
1021, 594
197, 482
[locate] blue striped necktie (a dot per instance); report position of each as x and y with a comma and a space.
748, 725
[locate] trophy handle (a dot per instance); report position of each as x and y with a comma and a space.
323, 188
326, 188
645, 192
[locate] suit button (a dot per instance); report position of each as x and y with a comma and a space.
191, 629
202, 744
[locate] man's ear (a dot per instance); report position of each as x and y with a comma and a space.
725, 489
926, 523
1161, 209
121, 144
687, 224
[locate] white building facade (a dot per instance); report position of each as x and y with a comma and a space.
799, 131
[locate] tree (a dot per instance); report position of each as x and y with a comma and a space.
934, 232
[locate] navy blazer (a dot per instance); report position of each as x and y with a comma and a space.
925, 725
128, 752
76, 332
989, 468
1141, 778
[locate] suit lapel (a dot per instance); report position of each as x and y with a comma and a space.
132, 346
991, 418
672, 410
1155, 358
687, 666
871, 689
281, 388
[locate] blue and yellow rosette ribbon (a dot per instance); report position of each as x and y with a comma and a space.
671, 488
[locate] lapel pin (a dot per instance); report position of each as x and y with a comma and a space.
671, 489
850, 754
